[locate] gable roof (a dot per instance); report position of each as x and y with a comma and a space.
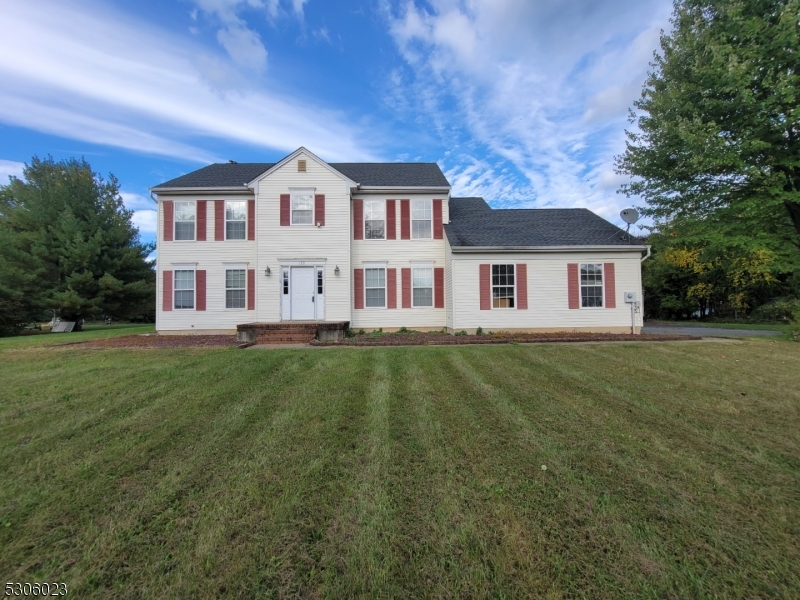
232, 175
473, 223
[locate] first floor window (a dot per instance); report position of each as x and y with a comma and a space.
302, 208
184, 289
286, 282
591, 286
375, 287
422, 286
184, 220
374, 219
235, 220
235, 288
503, 286
421, 219
319, 282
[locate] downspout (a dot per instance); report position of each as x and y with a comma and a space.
646, 256
633, 310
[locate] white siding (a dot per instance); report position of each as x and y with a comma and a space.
448, 285
210, 256
298, 242
400, 254
548, 302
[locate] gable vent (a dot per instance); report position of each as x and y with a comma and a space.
301, 165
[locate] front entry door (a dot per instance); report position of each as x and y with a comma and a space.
303, 293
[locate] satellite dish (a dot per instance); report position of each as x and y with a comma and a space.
629, 215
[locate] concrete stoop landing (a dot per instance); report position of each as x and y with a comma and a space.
291, 332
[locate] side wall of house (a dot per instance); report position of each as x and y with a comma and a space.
211, 256
548, 297
400, 254
278, 244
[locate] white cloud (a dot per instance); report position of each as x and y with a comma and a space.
134, 201
146, 221
110, 79
244, 47
9, 168
531, 96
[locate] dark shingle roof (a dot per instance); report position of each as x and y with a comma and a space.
367, 174
475, 223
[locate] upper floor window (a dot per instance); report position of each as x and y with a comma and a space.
184, 220
302, 208
422, 286
421, 219
503, 286
235, 220
591, 286
184, 289
374, 219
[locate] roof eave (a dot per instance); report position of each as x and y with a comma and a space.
586, 248
202, 190
391, 189
291, 157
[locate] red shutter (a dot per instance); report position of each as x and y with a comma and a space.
522, 286
167, 291
573, 287
391, 220
610, 280
202, 219
286, 213
251, 220
437, 220
358, 219
251, 289
319, 209
405, 219
486, 286
391, 288
169, 220
406, 273
219, 220
438, 287
200, 293
358, 288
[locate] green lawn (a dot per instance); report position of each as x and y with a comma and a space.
784, 327
673, 471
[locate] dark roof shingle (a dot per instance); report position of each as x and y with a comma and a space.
226, 175
474, 223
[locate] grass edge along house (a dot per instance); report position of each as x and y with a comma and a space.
380, 245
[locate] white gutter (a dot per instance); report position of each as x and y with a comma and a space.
203, 190
646, 256
476, 249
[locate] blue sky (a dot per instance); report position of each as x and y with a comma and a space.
523, 102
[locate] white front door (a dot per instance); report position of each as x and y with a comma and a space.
303, 293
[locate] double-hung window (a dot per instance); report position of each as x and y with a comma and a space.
421, 219
184, 220
235, 288
422, 286
303, 208
591, 285
184, 289
503, 286
235, 220
375, 287
374, 219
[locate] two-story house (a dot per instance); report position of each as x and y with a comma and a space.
380, 245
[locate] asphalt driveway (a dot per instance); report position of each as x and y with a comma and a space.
707, 331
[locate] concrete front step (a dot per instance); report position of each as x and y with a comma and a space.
291, 332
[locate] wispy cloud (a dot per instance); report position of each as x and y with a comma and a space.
10, 168
110, 79
144, 216
530, 96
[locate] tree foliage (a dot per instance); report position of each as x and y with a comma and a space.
67, 244
716, 153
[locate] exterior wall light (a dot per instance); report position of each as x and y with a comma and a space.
336, 270
267, 272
